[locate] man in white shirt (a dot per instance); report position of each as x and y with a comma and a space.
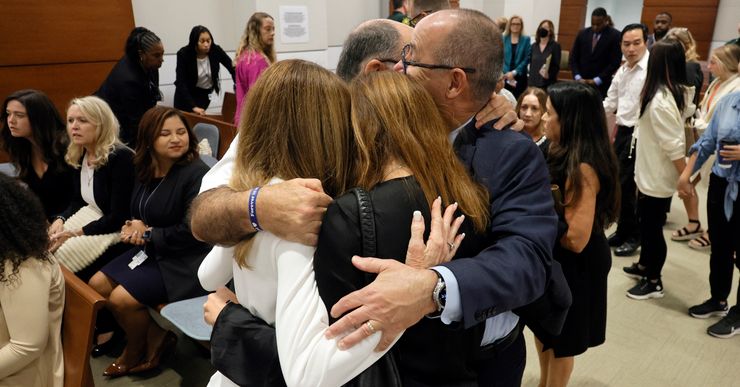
623, 98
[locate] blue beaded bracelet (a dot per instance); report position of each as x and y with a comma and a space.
253, 208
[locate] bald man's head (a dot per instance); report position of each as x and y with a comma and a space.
374, 45
416, 7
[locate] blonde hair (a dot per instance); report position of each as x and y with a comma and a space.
683, 35
508, 25
393, 116
99, 114
297, 125
251, 40
728, 56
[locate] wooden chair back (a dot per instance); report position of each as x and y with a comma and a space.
81, 306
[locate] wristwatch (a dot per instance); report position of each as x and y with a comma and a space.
147, 234
439, 296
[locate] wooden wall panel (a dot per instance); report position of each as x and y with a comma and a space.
69, 31
572, 19
698, 16
61, 82
681, 3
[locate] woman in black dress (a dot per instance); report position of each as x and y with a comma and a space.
197, 70
584, 167
132, 86
546, 53
34, 136
163, 265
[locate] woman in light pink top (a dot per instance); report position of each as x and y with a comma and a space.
254, 54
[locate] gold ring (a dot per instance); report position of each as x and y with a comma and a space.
370, 327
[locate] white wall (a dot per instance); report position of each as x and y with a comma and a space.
330, 21
532, 11
726, 26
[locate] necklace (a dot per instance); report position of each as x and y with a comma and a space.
145, 203
392, 170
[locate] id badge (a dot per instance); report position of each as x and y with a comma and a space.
138, 259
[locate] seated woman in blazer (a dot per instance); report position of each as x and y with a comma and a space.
104, 177
31, 294
197, 71
163, 262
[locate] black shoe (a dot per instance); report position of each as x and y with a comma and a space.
728, 326
615, 240
634, 271
109, 346
627, 249
645, 289
708, 309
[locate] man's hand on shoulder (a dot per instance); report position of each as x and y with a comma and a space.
293, 209
398, 298
499, 107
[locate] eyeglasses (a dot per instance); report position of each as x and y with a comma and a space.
416, 19
406, 63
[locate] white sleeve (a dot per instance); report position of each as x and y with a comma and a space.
307, 358
667, 126
220, 174
611, 102
216, 269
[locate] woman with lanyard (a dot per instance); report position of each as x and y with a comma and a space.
163, 264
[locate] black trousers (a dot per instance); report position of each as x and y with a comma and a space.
506, 368
725, 237
201, 97
628, 226
653, 253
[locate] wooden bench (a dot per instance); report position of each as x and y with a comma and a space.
81, 306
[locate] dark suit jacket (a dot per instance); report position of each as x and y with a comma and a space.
172, 244
130, 91
186, 74
517, 269
112, 185
602, 62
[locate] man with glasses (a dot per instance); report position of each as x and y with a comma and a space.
293, 209
457, 55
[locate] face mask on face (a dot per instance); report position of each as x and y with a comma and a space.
542, 33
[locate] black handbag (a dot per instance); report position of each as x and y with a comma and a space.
383, 372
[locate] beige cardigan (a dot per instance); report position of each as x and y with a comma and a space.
31, 309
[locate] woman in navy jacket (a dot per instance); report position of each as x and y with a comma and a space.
197, 71
517, 53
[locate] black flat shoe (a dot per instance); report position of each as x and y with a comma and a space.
109, 346
627, 249
615, 240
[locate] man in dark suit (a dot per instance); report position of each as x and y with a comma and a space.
596, 53
456, 54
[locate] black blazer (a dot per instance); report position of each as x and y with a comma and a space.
164, 207
186, 74
112, 185
602, 62
130, 91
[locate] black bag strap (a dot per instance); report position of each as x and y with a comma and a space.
367, 222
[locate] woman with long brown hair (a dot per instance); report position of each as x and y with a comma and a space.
162, 262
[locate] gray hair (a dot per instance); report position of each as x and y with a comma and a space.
476, 42
377, 39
